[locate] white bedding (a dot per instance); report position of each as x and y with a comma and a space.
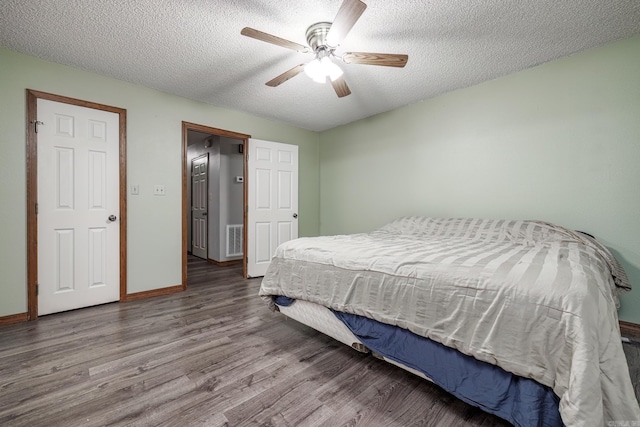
531, 297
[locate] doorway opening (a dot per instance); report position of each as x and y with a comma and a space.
214, 196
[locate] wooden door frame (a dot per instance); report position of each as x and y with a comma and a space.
186, 127
32, 190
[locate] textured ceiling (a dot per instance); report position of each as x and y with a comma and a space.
193, 48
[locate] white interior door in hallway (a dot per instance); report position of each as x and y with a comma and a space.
199, 212
272, 217
78, 204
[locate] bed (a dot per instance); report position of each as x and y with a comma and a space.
528, 298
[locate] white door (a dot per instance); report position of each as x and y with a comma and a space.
199, 213
78, 205
272, 216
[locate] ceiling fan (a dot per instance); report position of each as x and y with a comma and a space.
323, 39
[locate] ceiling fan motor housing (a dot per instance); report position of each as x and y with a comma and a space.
317, 36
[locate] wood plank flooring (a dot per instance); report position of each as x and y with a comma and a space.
213, 355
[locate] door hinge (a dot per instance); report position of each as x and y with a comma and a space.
37, 289
36, 209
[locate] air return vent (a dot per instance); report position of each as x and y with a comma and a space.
234, 240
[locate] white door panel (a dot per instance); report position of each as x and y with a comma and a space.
78, 189
272, 201
285, 231
199, 208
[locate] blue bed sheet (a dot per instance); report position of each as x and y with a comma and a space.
521, 401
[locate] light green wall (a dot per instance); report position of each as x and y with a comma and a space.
559, 142
154, 139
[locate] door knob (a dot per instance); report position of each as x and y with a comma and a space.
112, 218
295, 215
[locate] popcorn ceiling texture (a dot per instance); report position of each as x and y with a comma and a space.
194, 48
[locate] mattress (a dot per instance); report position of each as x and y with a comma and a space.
534, 298
324, 320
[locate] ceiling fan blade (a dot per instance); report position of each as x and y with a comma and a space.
286, 76
383, 59
270, 38
346, 18
340, 86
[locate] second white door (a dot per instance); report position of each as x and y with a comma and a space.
78, 207
272, 201
199, 212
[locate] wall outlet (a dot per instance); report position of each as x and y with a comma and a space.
135, 189
158, 190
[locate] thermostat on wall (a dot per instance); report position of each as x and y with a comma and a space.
239, 178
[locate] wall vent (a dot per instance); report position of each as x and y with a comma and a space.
234, 240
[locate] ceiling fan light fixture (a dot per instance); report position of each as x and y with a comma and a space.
333, 70
314, 70
321, 68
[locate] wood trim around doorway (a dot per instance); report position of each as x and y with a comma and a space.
186, 127
32, 191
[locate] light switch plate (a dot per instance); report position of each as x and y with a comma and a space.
135, 189
158, 190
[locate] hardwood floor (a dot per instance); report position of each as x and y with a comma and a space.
213, 355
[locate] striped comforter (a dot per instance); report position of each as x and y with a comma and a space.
536, 299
